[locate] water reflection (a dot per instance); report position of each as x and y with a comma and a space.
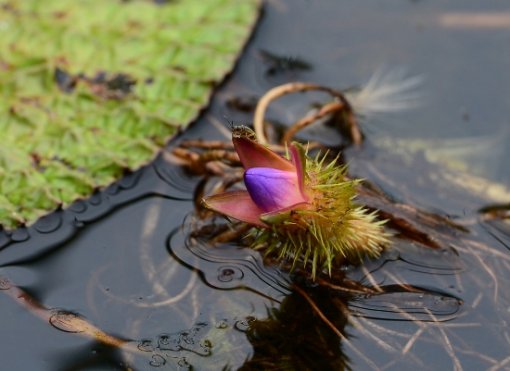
305, 324
187, 303
225, 266
293, 337
407, 303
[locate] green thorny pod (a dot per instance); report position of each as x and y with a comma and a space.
302, 208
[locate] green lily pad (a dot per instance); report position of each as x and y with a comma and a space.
91, 88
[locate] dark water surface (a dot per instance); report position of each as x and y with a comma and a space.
124, 260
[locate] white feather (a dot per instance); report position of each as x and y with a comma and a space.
386, 92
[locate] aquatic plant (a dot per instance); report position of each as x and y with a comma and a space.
90, 90
302, 208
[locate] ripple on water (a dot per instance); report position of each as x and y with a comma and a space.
226, 266
443, 261
172, 350
417, 304
181, 183
229, 273
193, 340
157, 361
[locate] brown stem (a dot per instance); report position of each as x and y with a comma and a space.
65, 321
232, 234
294, 87
355, 131
305, 121
317, 310
206, 144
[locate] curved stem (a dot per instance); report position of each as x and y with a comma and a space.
306, 121
294, 87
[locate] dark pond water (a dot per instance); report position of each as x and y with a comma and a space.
124, 260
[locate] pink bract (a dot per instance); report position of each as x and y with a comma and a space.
274, 184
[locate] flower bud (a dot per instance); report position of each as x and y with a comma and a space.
273, 189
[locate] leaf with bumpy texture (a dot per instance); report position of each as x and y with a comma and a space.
91, 88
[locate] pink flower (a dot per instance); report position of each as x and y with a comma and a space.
274, 184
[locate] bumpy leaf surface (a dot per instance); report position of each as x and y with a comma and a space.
91, 88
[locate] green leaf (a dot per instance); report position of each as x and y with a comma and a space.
89, 88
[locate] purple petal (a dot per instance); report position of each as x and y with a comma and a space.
273, 189
238, 205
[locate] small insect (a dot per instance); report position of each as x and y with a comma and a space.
242, 131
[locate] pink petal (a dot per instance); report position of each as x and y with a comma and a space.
236, 204
253, 154
273, 189
297, 154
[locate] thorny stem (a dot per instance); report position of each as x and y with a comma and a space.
294, 87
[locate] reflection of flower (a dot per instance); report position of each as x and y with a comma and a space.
303, 208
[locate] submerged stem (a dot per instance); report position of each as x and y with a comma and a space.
62, 320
